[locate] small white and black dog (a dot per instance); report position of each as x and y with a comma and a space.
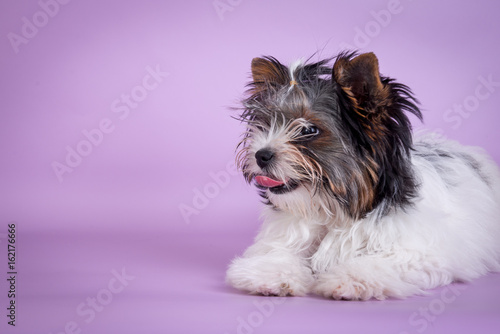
357, 209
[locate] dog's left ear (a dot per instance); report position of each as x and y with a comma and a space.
268, 72
359, 78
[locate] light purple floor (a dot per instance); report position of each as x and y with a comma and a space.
144, 90
174, 283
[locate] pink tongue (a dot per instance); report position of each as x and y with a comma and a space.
267, 182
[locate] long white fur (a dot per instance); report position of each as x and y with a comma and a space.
293, 66
451, 233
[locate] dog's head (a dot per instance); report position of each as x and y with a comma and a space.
329, 138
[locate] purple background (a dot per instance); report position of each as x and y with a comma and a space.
120, 206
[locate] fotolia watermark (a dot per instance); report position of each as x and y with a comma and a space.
264, 309
421, 319
94, 137
31, 26
209, 191
381, 19
223, 6
88, 310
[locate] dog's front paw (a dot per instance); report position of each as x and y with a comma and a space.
261, 275
344, 287
275, 289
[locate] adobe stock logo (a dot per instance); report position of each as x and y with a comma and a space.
88, 310
265, 308
30, 27
209, 191
122, 108
471, 103
223, 6
425, 316
381, 19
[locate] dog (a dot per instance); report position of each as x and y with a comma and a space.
356, 207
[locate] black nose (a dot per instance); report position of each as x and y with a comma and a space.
264, 157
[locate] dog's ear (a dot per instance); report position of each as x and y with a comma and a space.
268, 71
359, 78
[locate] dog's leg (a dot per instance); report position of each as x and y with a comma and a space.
277, 273
376, 276
346, 268
277, 264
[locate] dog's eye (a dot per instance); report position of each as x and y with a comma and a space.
308, 133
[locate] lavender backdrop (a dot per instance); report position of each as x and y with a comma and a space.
116, 145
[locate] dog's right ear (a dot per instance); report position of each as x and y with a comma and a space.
359, 78
268, 72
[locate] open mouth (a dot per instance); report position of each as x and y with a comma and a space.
275, 186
